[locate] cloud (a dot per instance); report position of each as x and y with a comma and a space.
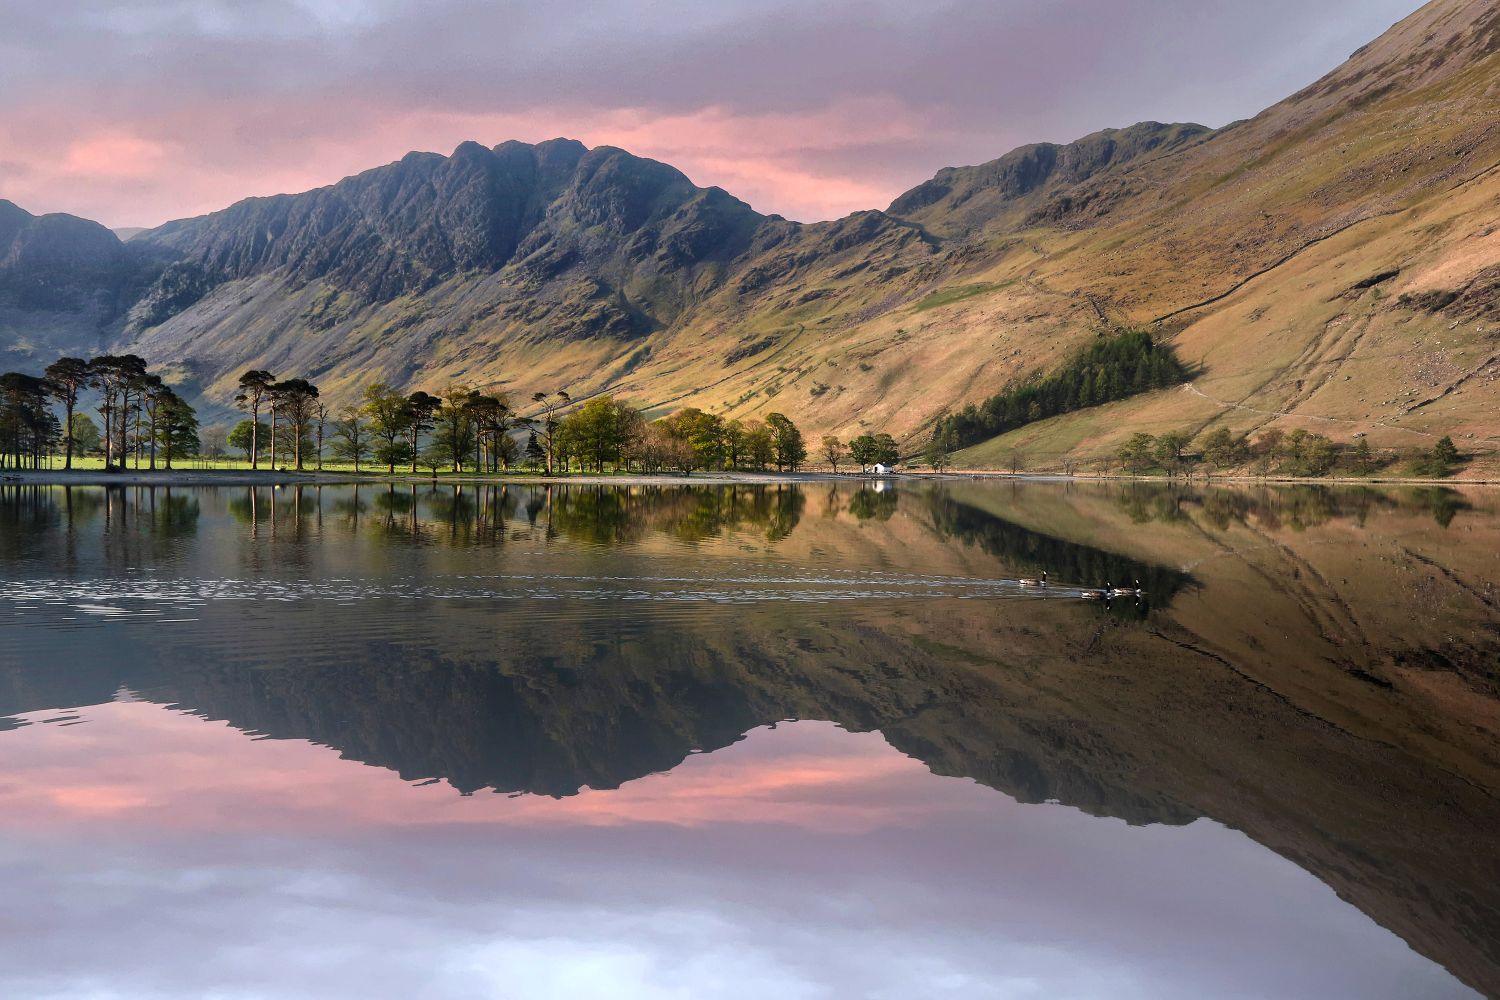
808, 109
275, 868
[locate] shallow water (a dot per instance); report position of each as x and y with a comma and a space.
743, 742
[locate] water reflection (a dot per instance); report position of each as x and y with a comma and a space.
1314, 668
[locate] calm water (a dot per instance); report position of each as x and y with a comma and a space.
750, 742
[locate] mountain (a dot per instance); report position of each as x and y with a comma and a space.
65, 283
1015, 189
1331, 263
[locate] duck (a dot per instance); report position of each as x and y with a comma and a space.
1098, 595
1034, 581
1131, 591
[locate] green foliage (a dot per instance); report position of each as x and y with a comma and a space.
1109, 369
946, 296
874, 449
86, 437
1168, 450
351, 438
938, 456
1437, 463
1361, 459
1223, 450
243, 437
1307, 454
598, 432
834, 452
790, 449
1138, 454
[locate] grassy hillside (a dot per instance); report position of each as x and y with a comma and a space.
1252, 250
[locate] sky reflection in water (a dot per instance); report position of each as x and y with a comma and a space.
152, 851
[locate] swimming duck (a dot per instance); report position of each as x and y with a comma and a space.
1134, 591
1033, 581
1098, 595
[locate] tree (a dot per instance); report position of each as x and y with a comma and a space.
255, 385
1445, 451
213, 441
28, 428
791, 450
246, 437
760, 445
735, 441
421, 411
937, 454
886, 451
390, 414
66, 379
550, 403
174, 426
297, 400
491, 415
1223, 450
862, 449
1267, 449
506, 450
320, 414
833, 452
86, 438
156, 396
1138, 453
350, 440
598, 432
535, 454
1361, 458
1439, 461
1169, 448
703, 432
112, 376
454, 423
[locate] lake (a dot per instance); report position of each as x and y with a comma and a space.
780, 741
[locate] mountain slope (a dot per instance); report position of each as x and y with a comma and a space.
1254, 247
64, 283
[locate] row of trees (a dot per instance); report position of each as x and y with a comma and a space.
463, 428
605, 431
141, 414
867, 450
1296, 453
1111, 368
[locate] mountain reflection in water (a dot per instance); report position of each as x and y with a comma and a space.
1315, 668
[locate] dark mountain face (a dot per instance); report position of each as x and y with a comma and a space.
960, 198
58, 262
555, 212
65, 283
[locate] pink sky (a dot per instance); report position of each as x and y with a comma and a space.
137, 113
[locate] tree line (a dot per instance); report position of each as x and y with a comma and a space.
464, 429
1298, 453
1109, 369
866, 449
142, 416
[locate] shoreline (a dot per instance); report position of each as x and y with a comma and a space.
247, 477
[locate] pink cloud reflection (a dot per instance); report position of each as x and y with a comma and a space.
140, 766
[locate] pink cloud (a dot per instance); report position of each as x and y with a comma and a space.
199, 157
